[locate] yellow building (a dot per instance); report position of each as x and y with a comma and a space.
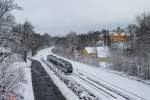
88, 51
101, 53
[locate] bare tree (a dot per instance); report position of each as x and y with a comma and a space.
6, 6
71, 39
24, 32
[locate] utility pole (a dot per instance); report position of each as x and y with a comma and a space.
72, 45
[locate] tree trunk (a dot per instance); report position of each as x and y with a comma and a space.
32, 52
25, 56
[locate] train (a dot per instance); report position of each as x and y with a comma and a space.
61, 64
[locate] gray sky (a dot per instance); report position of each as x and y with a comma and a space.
58, 17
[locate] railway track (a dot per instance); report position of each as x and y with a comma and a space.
104, 89
109, 86
96, 88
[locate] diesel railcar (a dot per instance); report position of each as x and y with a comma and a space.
61, 64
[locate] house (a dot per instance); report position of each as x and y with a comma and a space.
89, 51
101, 52
118, 36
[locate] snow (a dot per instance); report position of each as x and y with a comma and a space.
103, 64
28, 93
90, 50
5, 50
27, 86
42, 53
117, 33
125, 86
68, 94
132, 86
102, 51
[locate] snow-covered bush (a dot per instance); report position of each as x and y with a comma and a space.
10, 79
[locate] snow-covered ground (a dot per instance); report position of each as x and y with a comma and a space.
18, 74
108, 81
28, 93
27, 85
129, 87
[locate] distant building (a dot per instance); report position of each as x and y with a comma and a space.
89, 51
102, 52
118, 36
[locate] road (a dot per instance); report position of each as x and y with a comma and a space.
43, 86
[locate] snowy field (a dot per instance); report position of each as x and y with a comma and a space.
113, 86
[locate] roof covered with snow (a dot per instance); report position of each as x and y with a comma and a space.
103, 51
117, 33
90, 49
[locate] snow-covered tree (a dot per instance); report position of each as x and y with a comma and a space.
23, 33
134, 58
6, 21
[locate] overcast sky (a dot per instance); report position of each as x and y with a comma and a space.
58, 17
